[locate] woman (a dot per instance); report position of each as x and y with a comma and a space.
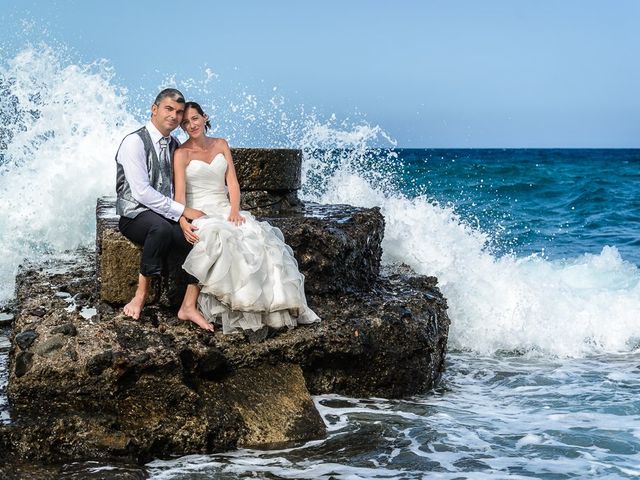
248, 275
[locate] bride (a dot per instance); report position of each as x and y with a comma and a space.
248, 277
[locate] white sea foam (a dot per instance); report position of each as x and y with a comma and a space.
69, 122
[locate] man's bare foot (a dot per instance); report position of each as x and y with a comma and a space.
134, 307
193, 314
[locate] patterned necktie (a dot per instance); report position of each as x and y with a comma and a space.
164, 148
165, 160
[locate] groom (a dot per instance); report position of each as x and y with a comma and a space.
148, 214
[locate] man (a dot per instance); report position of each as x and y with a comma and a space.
148, 214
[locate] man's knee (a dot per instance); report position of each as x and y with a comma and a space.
159, 239
178, 239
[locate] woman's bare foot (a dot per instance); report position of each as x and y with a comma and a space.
134, 307
193, 314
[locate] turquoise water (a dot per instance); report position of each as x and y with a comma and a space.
535, 250
564, 201
492, 417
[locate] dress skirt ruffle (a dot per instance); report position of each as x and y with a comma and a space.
248, 274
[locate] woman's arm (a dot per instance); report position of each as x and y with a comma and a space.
233, 186
180, 160
179, 183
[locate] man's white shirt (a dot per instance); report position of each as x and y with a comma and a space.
132, 158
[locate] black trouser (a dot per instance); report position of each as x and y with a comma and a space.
164, 247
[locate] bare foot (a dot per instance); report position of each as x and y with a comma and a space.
134, 307
193, 314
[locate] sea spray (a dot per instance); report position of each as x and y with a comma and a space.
570, 307
68, 120
62, 122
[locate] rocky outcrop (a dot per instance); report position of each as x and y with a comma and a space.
106, 386
338, 247
268, 169
269, 179
85, 382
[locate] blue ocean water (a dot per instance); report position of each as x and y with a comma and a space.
564, 202
535, 250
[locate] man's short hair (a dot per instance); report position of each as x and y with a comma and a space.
172, 93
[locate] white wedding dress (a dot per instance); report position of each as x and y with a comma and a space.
248, 275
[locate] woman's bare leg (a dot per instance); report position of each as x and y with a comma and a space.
189, 310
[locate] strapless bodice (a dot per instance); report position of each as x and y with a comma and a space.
205, 184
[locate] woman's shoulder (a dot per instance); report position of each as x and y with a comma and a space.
182, 153
219, 142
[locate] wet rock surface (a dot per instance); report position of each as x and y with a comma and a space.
80, 470
111, 387
265, 202
267, 168
338, 247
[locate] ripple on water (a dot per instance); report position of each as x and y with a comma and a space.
493, 416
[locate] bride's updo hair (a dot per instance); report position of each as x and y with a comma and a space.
198, 108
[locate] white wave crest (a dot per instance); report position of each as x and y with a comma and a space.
571, 307
68, 122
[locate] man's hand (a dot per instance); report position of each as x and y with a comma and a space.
192, 213
188, 230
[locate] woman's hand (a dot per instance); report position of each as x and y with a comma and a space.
236, 218
188, 230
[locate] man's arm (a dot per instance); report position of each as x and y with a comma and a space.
131, 157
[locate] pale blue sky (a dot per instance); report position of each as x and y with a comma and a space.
491, 73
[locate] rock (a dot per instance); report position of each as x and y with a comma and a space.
263, 202
146, 389
118, 265
267, 168
388, 342
87, 469
23, 363
25, 339
138, 391
338, 249
68, 329
99, 363
117, 389
50, 345
38, 312
287, 416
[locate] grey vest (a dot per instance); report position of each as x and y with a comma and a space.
159, 178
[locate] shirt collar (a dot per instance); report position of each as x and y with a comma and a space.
154, 132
